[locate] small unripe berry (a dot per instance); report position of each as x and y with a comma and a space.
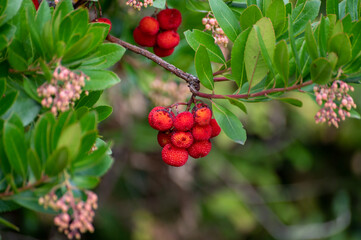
168, 39
200, 149
169, 19
143, 39
174, 156
161, 120
202, 133
104, 20
149, 25
163, 138
202, 116
36, 4
160, 52
182, 139
184, 121
215, 128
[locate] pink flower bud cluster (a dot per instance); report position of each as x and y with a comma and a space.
336, 102
76, 216
139, 4
211, 24
63, 90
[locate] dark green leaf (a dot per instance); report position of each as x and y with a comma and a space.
304, 13
7, 101
237, 59
43, 15
293, 45
277, 13
8, 224
204, 67
35, 163
332, 7
103, 112
250, 16
7, 33
89, 100
311, 42
356, 41
70, 138
281, 60
57, 161
321, 71
292, 101
237, 103
12, 7
341, 45
88, 122
2, 87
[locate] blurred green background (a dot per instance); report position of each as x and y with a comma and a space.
291, 179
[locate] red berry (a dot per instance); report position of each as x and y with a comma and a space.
202, 133
163, 138
215, 128
143, 39
184, 121
149, 25
161, 120
150, 115
167, 39
200, 149
169, 19
36, 4
104, 20
202, 116
160, 52
174, 156
182, 139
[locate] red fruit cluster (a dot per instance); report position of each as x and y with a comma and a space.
188, 133
160, 33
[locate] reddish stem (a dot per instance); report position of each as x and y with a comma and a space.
28, 187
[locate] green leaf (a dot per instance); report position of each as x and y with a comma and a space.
42, 136
197, 37
197, 6
321, 71
256, 67
70, 138
281, 60
29, 199
2, 87
7, 101
332, 7
229, 123
341, 45
356, 41
237, 103
8, 224
89, 100
87, 142
311, 42
293, 45
204, 67
237, 58
77, 50
304, 13
292, 101
277, 13
35, 163
100, 79
7, 33
62, 9
57, 161
103, 112
332, 58
342, 9
159, 3
12, 7
88, 122
43, 15
354, 114
351, 8
225, 18
250, 16
16, 56
323, 32
86, 182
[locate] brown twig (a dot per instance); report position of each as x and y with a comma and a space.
27, 187
220, 79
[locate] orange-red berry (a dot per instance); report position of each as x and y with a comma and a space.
167, 39
104, 20
200, 149
160, 52
169, 19
202, 116
174, 156
161, 120
150, 115
182, 139
149, 25
163, 138
184, 121
143, 39
215, 128
202, 133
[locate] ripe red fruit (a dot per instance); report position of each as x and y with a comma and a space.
104, 20
149, 25
200, 149
143, 39
184, 121
160, 52
182, 139
167, 39
150, 115
202, 116
174, 156
202, 133
161, 120
215, 128
169, 19
163, 138
36, 4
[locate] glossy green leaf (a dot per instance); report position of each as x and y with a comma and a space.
16, 56
12, 7
34, 163
7, 101
100, 79
103, 112
250, 16
341, 45
351, 8
237, 58
229, 123
277, 13
86, 182
304, 13
281, 60
225, 18
321, 71
57, 161
43, 15
89, 100
332, 7
293, 45
204, 67
77, 50
70, 139
311, 42
237, 103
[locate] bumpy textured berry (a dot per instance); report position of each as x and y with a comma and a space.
202, 133
150, 115
149, 25
184, 121
182, 139
174, 156
161, 120
197, 106
36, 4
200, 149
169, 19
202, 116
143, 39
167, 39
104, 20
215, 128
160, 52
163, 138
